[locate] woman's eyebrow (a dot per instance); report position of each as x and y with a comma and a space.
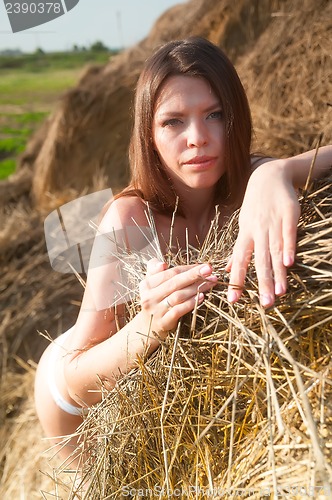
177, 113
168, 113
213, 107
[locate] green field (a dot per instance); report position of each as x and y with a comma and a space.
30, 86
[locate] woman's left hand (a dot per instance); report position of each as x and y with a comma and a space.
267, 228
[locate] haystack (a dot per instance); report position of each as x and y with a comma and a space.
237, 402
282, 51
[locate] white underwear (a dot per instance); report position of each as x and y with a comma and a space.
58, 399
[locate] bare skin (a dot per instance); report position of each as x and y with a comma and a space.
56, 423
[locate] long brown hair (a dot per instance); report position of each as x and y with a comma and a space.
197, 57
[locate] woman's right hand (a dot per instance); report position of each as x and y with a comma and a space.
167, 294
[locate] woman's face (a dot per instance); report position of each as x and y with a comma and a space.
189, 132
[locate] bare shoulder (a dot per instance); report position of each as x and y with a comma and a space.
256, 160
124, 211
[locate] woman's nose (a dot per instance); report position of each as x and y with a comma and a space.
196, 134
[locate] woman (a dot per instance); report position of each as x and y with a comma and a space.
191, 142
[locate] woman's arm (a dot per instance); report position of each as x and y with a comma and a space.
100, 347
268, 222
298, 167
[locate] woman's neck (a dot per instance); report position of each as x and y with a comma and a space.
198, 210
197, 204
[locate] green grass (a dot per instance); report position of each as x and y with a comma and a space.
14, 135
17, 88
30, 86
30, 118
12, 145
7, 167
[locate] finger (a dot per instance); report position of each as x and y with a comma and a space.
264, 272
184, 294
228, 266
289, 232
155, 266
280, 278
174, 313
186, 284
240, 260
181, 276
278, 270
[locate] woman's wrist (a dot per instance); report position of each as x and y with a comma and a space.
146, 327
269, 172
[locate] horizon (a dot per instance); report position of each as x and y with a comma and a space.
20, 52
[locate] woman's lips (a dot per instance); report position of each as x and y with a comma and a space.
200, 162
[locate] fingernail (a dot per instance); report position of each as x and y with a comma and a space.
205, 270
200, 297
232, 296
279, 289
266, 299
288, 260
213, 278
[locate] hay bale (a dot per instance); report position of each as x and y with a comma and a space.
32, 299
288, 78
15, 187
237, 401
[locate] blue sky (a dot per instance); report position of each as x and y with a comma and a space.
114, 22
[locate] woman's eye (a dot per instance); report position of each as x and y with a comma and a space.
172, 122
216, 115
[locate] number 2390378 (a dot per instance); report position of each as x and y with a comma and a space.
33, 8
